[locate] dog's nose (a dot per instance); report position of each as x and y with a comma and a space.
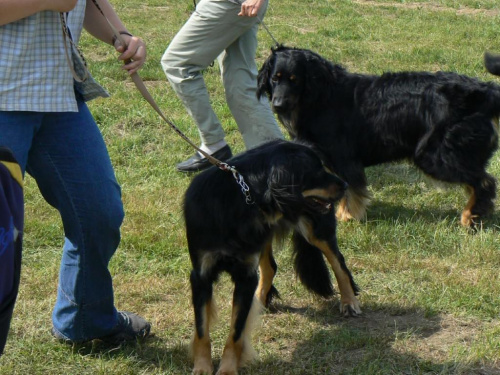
341, 186
278, 102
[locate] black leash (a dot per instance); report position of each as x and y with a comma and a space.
263, 25
276, 43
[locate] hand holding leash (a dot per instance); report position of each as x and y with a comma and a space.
133, 47
133, 51
250, 8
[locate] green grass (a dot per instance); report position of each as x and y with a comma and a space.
430, 291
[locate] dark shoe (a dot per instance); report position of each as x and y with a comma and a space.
130, 327
198, 162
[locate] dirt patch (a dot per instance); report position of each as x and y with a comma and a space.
431, 339
432, 7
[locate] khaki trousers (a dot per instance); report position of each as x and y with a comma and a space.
215, 31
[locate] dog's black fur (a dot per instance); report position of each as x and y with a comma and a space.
492, 63
445, 123
290, 188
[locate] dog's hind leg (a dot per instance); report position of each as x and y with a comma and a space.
349, 305
204, 310
467, 218
238, 349
267, 269
459, 153
480, 201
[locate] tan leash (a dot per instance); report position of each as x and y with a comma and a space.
67, 37
139, 83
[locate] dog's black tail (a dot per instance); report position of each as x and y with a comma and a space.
310, 267
492, 63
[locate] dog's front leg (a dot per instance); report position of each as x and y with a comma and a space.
201, 351
238, 349
204, 310
353, 204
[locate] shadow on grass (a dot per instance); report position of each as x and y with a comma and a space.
386, 340
153, 354
404, 177
375, 343
383, 211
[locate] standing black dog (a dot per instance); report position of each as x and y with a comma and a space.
445, 123
290, 188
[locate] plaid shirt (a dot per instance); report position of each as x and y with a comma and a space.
34, 71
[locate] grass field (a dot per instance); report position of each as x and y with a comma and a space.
430, 290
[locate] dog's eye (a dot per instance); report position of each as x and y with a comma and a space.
293, 77
276, 77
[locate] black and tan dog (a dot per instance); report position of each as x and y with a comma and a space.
291, 189
445, 123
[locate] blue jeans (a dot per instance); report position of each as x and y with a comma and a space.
66, 155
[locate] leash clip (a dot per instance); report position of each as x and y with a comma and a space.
240, 180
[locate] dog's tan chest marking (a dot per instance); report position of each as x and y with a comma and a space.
273, 218
208, 260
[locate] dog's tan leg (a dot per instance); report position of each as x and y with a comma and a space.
200, 347
353, 204
467, 219
240, 351
349, 304
231, 357
267, 272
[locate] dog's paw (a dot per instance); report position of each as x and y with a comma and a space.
471, 222
351, 309
227, 371
203, 368
266, 298
197, 371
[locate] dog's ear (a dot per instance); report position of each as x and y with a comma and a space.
263, 84
284, 190
321, 76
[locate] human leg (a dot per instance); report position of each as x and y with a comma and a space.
197, 44
214, 26
254, 117
68, 159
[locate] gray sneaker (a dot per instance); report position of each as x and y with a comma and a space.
130, 327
